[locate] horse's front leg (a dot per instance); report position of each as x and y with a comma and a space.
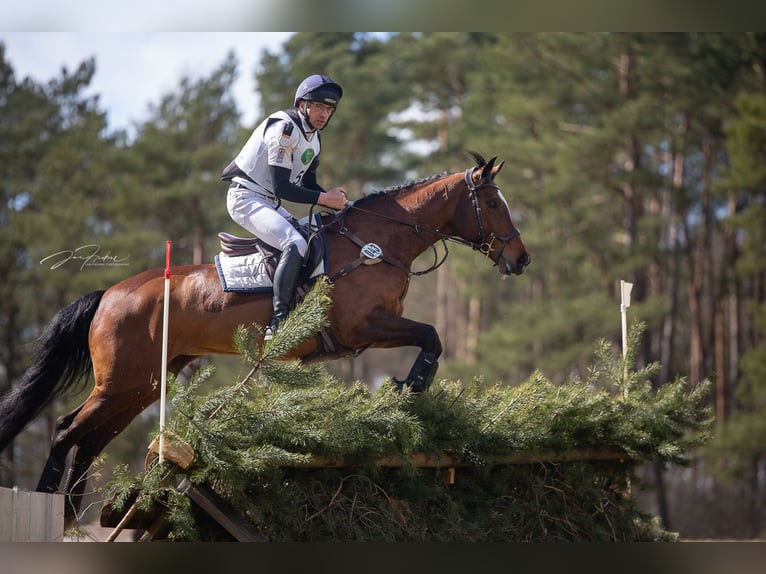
421, 374
388, 331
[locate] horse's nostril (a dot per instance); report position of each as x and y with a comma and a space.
522, 262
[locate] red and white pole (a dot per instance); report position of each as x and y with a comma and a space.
164, 370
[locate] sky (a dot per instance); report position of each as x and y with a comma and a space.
134, 69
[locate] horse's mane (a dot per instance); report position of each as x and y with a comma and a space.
401, 187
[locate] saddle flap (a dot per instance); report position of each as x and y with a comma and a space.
234, 245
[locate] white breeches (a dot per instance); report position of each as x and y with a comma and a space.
261, 217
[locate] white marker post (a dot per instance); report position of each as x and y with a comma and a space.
625, 289
164, 370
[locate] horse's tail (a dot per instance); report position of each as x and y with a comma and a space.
62, 359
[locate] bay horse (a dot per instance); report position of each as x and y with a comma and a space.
117, 333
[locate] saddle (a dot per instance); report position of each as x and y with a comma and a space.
236, 246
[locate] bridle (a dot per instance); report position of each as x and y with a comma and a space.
483, 243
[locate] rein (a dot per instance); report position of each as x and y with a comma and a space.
371, 253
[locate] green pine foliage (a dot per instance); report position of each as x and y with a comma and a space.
255, 441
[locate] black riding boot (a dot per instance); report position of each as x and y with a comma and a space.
285, 283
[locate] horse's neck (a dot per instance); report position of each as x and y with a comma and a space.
432, 206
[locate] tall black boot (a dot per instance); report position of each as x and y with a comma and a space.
285, 283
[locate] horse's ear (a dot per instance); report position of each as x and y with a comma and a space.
478, 158
497, 168
486, 169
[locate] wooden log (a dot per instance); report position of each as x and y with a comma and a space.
138, 519
235, 525
448, 460
124, 521
174, 449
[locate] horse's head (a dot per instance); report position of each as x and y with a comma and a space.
483, 218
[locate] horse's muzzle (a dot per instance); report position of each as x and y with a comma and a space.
517, 268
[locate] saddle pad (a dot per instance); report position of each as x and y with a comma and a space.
248, 273
244, 273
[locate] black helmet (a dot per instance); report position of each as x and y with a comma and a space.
319, 88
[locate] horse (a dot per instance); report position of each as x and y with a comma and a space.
116, 334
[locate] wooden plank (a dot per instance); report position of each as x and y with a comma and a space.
55, 517
21, 514
38, 517
31, 516
237, 526
447, 460
7, 520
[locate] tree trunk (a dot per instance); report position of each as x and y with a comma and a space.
442, 308
669, 321
474, 325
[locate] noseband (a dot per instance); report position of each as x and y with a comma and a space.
481, 243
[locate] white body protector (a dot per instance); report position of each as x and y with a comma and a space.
277, 141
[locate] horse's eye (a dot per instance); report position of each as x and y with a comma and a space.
492, 204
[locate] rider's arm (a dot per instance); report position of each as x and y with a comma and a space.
310, 177
285, 189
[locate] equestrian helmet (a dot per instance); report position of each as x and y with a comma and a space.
319, 88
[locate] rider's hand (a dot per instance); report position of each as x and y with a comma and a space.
334, 198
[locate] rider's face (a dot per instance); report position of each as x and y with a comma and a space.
319, 114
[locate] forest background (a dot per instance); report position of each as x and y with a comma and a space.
628, 156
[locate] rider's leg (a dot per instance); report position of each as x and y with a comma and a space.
272, 224
285, 283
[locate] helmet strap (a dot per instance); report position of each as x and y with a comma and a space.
302, 105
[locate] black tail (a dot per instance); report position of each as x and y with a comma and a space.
62, 359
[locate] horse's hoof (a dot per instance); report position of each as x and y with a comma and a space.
416, 386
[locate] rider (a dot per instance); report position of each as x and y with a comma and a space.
279, 161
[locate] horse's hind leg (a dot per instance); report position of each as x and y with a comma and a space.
50, 478
83, 455
98, 421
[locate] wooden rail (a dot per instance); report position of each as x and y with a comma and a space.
448, 460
